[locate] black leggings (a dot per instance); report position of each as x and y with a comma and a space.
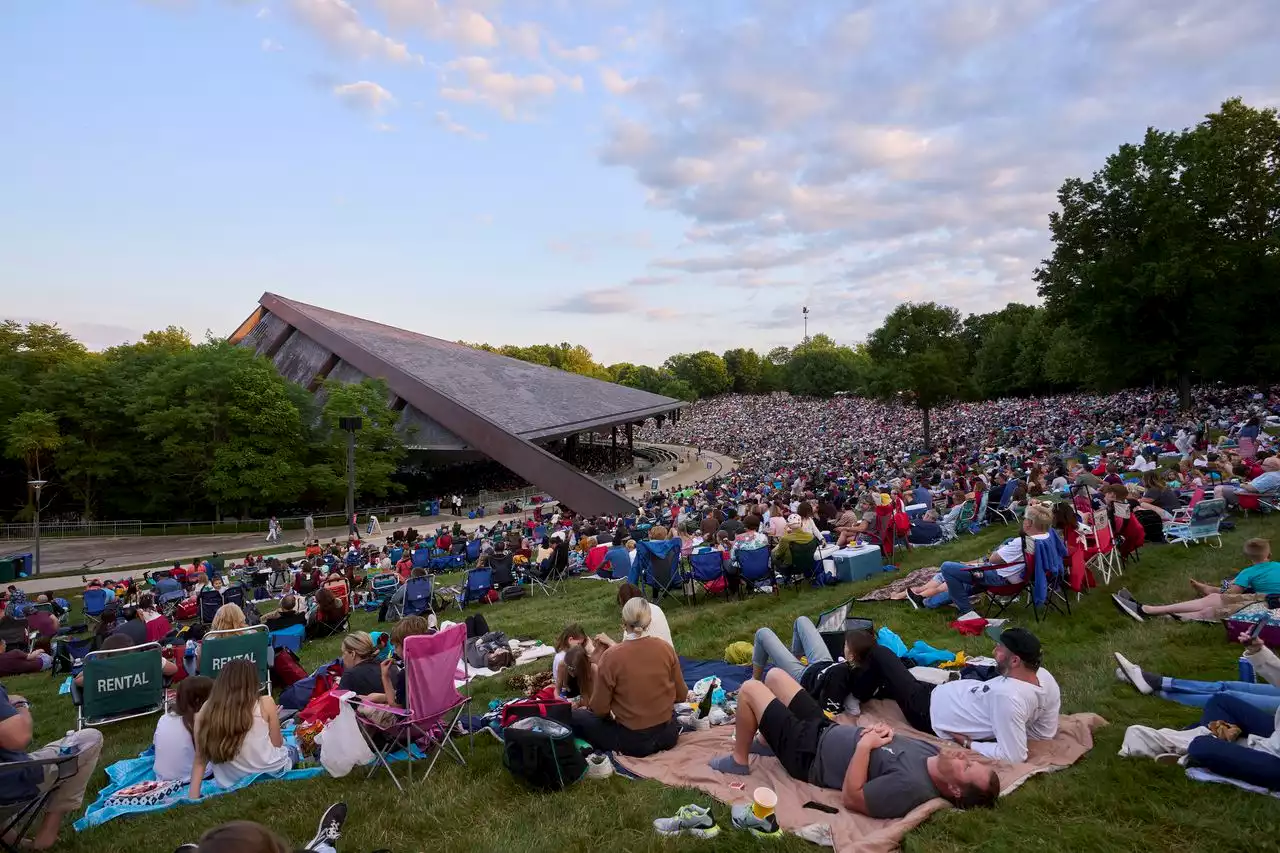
608, 735
883, 675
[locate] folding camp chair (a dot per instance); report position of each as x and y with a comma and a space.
663, 575
1001, 510
1101, 556
707, 567
804, 565
324, 629
342, 591
503, 575
473, 551
119, 685
95, 601
1201, 524
253, 643
755, 570
431, 664
289, 638
18, 814
418, 597
209, 600
980, 516
168, 593
479, 584
234, 595
384, 585
1262, 502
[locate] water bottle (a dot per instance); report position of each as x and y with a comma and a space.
1246, 670
66, 747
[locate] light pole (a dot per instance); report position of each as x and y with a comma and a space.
351, 425
37, 485
805, 311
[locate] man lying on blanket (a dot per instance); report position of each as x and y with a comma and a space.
879, 774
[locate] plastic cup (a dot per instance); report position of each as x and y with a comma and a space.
763, 802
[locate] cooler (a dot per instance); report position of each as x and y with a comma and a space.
9, 569
856, 564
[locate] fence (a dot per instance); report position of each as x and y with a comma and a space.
85, 529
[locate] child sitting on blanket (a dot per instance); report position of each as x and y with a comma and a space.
238, 730
573, 636
174, 748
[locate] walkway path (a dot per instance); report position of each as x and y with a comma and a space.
61, 555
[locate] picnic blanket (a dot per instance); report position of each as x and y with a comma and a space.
731, 675
686, 766
899, 586
1199, 774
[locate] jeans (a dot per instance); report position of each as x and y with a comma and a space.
960, 585
1235, 759
1264, 697
805, 641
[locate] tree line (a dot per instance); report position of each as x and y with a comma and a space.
1164, 264
171, 429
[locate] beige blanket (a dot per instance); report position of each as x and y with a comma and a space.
686, 767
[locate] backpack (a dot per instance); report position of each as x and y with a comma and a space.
285, 669
511, 593
542, 753
556, 709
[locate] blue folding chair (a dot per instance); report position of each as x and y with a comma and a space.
473, 551
289, 638
168, 593
479, 583
418, 594
756, 569
95, 601
384, 585
663, 575
707, 567
422, 557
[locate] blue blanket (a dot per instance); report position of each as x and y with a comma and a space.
731, 675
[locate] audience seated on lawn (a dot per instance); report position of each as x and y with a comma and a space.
795, 533
878, 773
16, 727
286, 616
822, 678
361, 671
1265, 483
1022, 701
658, 626
328, 614
22, 662
1264, 697
1253, 584
956, 582
750, 539
660, 545
637, 684
174, 748
237, 730
1235, 737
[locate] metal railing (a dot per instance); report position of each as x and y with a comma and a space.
134, 528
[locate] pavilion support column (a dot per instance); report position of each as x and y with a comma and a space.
631, 440
613, 449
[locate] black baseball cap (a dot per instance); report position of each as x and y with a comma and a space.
1021, 642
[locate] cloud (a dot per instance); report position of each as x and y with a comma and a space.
607, 300
903, 151
451, 126
340, 26
271, 46
364, 96
583, 53
652, 280
475, 79
464, 27
264, 12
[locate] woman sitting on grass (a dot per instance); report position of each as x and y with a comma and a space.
361, 672
237, 730
174, 748
327, 616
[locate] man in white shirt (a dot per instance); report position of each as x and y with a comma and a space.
994, 718
1005, 565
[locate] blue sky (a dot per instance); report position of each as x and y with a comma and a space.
642, 178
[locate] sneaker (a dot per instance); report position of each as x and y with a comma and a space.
330, 828
917, 601
599, 766
187, 848
1168, 758
1133, 674
689, 820
1128, 606
745, 818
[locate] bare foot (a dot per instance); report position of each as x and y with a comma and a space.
1202, 588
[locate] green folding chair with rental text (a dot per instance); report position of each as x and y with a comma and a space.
220, 647
119, 684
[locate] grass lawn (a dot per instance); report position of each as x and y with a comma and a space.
1102, 803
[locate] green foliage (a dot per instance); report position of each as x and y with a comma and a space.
919, 356
379, 449
820, 368
30, 438
703, 371
744, 367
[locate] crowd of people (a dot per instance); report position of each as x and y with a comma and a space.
819, 474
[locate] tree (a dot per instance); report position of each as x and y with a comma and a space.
743, 366
30, 438
820, 368
1007, 360
1068, 363
87, 397
1179, 235
778, 356
704, 371
639, 376
379, 448
678, 389
919, 357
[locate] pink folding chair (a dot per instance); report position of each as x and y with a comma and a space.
431, 662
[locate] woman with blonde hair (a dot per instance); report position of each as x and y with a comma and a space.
636, 684
229, 617
361, 670
237, 730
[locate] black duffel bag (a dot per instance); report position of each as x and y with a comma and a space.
542, 753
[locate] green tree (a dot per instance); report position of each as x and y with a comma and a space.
999, 365
379, 448
919, 356
678, 389
87, 397
1068, 362
31, 438
640, 376
1168, 244
744, 367
820, 368
704, 371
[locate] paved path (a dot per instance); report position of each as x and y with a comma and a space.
60, 555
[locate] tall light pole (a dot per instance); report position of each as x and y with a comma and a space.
805, 311
37, 485
351, 425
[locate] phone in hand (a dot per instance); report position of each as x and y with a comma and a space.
1257, 629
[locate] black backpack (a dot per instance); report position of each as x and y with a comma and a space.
543, 753
511, 593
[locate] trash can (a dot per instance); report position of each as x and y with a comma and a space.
26, 562
8, 569
435, 508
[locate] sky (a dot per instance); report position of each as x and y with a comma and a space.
639, 177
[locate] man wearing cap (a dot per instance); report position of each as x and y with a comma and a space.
795, 533
1022, 702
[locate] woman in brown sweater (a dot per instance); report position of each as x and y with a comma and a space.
637, 684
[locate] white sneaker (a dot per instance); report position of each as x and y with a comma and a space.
689, 820
1133, 674
599, 766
